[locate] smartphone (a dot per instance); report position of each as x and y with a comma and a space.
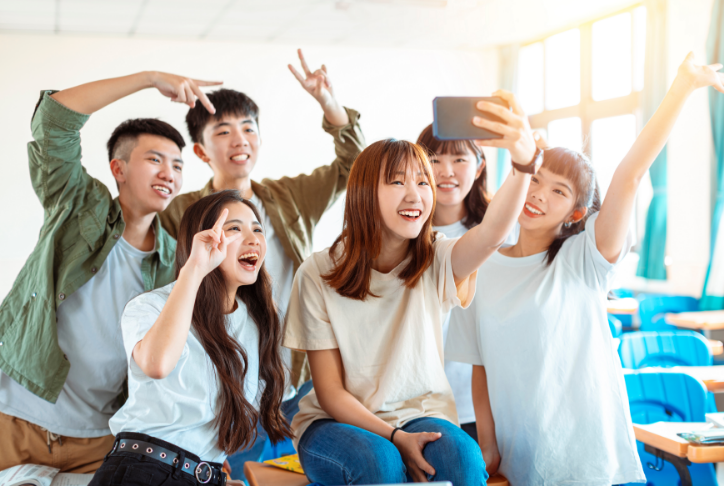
453, 118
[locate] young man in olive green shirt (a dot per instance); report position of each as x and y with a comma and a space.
62, 363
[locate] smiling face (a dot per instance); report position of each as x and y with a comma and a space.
230, 146
551, 201
245, 256
405, 201
152, 175
454, 176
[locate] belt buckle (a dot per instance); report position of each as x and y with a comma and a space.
198, 470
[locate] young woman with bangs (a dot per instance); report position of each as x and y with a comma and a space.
552, 380
369, 311
204, 357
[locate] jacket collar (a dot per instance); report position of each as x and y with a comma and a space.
165, 246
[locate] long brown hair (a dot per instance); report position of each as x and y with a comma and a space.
361, 237
236, 418
477, 200
577, 168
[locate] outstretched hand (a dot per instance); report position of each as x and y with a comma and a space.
182, 89
315, 83
209, 247
517, 135
698, 76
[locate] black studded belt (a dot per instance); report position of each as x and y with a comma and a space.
203, 472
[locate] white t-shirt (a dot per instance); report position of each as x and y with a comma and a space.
181, 408
391, 345
459, 374
555, 381
281, 270
89, 333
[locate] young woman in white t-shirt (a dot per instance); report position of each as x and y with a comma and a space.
369, 313
204, 361
552, 380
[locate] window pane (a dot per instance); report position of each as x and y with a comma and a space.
611, 138
612, 57
639, 47
530, 78
563, 69
565, 132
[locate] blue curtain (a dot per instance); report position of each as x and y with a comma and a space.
653, 247
713, 293
508, 80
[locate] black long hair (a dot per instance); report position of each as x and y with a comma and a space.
236, 418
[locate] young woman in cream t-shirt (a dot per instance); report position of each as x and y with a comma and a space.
369, 313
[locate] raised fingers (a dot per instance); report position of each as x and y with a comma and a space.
200, 82
304, 63
499, 111
496, 127
296, 74
220, 221
203, 98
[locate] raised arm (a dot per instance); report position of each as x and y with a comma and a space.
160, 349
613, 220
478, 244
91, 97
319, 85
341, 405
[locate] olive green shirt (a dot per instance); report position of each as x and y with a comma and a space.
294, 204
81, 224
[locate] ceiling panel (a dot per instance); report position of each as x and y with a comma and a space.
409, 23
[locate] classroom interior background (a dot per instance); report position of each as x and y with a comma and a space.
578, 68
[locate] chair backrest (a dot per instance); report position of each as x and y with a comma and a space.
652, 309
615, 325
664, 348
665, 397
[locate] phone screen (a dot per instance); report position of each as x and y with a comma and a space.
453, 118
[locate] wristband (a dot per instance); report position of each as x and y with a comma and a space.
392, 435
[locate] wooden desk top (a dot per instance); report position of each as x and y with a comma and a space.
662, 435
716, 347
259, 474
705, 320
627, 305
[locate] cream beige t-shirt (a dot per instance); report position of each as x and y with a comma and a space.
391, 345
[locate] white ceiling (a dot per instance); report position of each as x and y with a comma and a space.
400, 23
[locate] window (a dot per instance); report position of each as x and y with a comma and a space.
582, 86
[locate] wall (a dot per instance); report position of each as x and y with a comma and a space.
392, 88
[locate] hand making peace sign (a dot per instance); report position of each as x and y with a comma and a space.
182, 89
209, 247
316, 83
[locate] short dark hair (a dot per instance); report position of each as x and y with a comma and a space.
124, 137
226, 102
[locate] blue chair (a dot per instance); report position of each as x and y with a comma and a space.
668, 397
652, 309
664, 348
615, 325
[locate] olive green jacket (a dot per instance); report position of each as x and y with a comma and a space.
82, 223
294, 204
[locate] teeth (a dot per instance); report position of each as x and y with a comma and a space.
240, 157
446, 186
412, 214
162, 189
532, 210
249, 256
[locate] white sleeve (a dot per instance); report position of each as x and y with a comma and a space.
451, 295
462, 341
580, 253
307, 324
138, 318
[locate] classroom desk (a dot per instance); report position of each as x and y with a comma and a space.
716, 347
660, 439
627, 305
259, 474
701, 320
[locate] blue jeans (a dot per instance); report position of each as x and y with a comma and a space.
256, 450
334, 454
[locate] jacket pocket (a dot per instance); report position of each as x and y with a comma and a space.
90, 228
